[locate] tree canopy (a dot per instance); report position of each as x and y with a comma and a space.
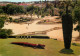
4, 33
11, 9
76, 17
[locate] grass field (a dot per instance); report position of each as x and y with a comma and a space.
52, 48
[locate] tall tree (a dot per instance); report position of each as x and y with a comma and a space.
67, 25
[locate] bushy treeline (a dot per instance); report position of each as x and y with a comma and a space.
16, 9
47, 10
11, 9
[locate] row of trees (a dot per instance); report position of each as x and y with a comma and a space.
15, 9
11, 9
43, 11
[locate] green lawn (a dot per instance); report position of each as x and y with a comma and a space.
52, 48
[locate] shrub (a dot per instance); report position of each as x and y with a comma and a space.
74, 44
55, 39
42, 15
4, 33
4, 17
57, 18
9, 31
21, 18
10, 18
16, 20
1, 11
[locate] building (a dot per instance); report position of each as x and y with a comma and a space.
24, 4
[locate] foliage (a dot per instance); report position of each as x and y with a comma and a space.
49, 9
21, 18
15, 9
16, 20
30, 10
1, 11
37, 11
76, 44
76, 14
76, 17
4, 17
65, 12
12, 9
10, 19
43, 15
77, 28
1, 22
43, 11
9, 31
4, 33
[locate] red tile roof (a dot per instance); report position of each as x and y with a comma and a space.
2, 4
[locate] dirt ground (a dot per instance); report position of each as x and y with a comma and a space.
24, 28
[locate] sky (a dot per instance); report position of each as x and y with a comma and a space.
20, 0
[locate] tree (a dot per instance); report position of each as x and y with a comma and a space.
12, 9
1, 11
49, 8
4, 9
42, 12
37, 11
15, 9
67, 25
4, 33
30, 10
9, 32
1, 23
52, 11
77, 18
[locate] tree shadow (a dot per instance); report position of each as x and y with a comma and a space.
66, 51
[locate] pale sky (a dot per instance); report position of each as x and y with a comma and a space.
20, 0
